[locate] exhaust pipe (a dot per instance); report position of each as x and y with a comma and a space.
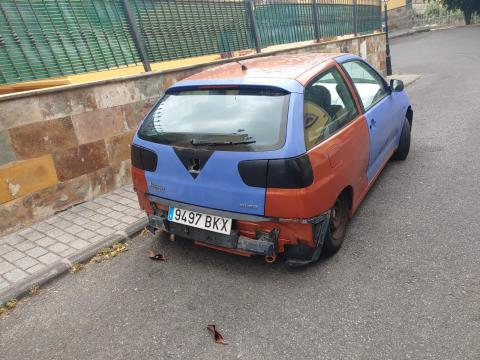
271, 258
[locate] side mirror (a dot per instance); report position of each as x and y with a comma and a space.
396, 85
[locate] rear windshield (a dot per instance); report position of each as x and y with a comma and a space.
221, 119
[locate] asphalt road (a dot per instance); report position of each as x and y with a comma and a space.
406, 283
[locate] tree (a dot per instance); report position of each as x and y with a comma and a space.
468, 7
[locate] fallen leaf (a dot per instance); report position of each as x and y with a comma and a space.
119, 247
76, 268
96, 259
34, 290
158, 257
218, 337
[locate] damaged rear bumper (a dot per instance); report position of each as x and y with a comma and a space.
264, 243
250, 234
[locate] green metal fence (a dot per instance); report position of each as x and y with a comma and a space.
368, 17
281, 22
284, 21
180, 29
42, 39
48, 38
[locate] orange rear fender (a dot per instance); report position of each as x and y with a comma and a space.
339, 162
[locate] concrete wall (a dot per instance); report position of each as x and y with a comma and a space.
63, 146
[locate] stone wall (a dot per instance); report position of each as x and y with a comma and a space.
63, 146
400, 18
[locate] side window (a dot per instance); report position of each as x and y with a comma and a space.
370, 86
328, 107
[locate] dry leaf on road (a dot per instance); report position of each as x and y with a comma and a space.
218, 337
157, 257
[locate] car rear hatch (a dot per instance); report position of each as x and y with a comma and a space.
199, 138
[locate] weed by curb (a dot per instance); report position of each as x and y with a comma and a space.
8, 306
109, 253
76, 268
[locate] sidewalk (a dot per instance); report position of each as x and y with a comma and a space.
47, 249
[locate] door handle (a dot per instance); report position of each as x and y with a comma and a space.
372, 123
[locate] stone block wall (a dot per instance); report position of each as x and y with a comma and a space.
63, 146
400, 18
371, 48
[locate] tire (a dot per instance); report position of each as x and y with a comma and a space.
332, 241
404, 144
337, 226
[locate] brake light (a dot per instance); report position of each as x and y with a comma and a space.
254, 172
144, 159
291, 173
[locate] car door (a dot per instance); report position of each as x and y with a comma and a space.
380, 112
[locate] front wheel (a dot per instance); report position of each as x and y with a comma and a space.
404, 144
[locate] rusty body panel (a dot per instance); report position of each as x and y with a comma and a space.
291, 233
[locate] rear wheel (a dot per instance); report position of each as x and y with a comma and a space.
337, 226
404, 144
302, 254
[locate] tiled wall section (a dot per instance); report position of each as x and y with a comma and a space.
62, 147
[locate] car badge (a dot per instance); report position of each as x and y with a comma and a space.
194, 166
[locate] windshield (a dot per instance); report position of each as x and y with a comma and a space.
222, 119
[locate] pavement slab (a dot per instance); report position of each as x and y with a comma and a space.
28, 256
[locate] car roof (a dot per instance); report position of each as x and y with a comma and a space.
290, 66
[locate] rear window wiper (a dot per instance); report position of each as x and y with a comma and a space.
196, 142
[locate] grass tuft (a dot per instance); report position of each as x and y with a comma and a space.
108, 253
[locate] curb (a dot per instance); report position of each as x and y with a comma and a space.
410, 32
427, 29
60, 267
408, 79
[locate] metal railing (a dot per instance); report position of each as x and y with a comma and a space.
42, 39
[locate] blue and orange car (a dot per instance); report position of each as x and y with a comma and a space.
269, 155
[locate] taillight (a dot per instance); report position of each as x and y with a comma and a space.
254, 172
144, 159
291, 173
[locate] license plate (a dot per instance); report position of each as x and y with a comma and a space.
203, 221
